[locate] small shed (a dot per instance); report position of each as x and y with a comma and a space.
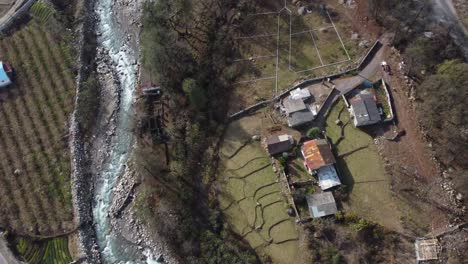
279, 144
364, 109
321, 204
293, 105
427, 249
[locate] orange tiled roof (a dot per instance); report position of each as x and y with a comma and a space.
317, 153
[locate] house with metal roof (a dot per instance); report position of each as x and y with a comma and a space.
293, 105
300, 118
364, 110
5, 74
317, 153
319, 159
279, 144
297, 111
321, 204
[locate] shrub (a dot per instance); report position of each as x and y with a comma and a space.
350, 217
340, 216
362, 224
313, 133
331, 255
283, 161
88, 102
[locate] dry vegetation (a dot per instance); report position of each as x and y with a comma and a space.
279, 47
34, 156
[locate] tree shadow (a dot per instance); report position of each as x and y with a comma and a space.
345, 174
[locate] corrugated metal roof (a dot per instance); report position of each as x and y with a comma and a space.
317, 153
321, 204
293, 105
300, 118
300, 94
279, 144
365, 110
328, 178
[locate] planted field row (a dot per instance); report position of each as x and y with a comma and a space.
35, 169
51, 251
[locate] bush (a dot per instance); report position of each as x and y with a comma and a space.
313, 133
350, 217
87, 104
331, 255
340, 217
362, 224
283, 162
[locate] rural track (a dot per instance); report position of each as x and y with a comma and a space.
6, 256
15, 11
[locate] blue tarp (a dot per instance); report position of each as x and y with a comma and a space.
4, 79
367, 84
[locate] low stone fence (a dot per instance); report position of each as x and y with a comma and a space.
369, 55
249, 109
362, 62
20, 11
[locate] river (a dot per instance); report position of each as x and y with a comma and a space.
115, 248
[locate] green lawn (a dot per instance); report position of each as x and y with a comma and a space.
362, 171
251, 198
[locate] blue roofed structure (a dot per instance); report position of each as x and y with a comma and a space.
4, 78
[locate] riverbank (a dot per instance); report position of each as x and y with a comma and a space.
123, 215
82, 184
121, 238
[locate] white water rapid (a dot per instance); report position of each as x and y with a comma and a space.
114, 248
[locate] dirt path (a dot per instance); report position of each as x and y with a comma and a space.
15, 9
6, 257
411, 161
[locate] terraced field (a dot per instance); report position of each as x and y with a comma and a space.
34, 113
51, 251
251, 198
